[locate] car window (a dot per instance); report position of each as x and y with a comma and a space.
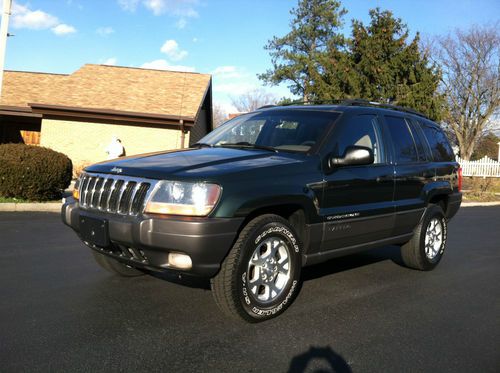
402, 140
247, 133
287, 130
419, 140
360, 130
439, 144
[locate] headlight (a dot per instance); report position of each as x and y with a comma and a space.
183, 198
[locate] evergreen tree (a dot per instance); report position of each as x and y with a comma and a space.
390, 69
299, 57
377, 63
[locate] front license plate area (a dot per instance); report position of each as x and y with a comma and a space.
94, 231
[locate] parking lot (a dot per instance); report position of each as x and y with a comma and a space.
60, 312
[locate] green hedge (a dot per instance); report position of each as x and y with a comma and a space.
33, 172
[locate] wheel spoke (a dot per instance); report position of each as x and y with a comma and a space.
256, 279
267, 293
274, 247
257, 282
273, 289
257, 262
283, 266
256, 259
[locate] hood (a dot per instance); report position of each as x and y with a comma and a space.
193, 163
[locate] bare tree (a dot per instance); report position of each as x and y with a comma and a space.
470, 63
253, 100
219, 115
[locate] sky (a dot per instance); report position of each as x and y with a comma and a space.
225, 38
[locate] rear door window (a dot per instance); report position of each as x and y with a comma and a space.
405, 150
419, 139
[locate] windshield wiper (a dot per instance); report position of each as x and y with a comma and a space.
246, 144
202, 145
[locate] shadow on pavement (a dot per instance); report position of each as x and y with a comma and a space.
347, 263
319, 359
185, 280
330, 267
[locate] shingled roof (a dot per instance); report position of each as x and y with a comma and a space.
109, 89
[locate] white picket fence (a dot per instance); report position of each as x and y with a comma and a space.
484, 167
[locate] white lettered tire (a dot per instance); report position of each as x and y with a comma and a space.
426, 248
259, 279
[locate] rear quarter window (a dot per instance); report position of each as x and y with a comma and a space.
438, 142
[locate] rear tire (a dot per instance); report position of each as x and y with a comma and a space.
259, 278
426, 248
115, 267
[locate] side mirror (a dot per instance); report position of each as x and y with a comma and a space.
353, 156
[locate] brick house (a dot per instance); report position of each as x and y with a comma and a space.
78, 114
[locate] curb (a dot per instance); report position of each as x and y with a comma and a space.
42, 207
477, 204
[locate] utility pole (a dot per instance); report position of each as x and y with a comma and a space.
7, 6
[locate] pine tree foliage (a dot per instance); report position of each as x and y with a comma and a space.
298, 57
392, 69
378, 62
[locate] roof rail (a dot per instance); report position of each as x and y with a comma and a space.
353, 102
314, 102
361, 102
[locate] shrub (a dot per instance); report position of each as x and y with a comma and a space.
78, 168
33, 173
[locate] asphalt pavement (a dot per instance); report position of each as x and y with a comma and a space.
60, 312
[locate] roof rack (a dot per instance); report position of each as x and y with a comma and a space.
361, 102
353, 102
314, 102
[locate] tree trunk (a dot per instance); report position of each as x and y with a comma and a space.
466, 150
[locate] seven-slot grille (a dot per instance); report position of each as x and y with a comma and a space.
109, 193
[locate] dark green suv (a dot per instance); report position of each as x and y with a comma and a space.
270, 192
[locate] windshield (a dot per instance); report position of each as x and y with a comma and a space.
287, 130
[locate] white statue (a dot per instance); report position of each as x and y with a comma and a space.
115, 148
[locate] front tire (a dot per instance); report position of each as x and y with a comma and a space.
426, 248
115, 267
259, 279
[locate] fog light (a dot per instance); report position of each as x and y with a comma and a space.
178, 260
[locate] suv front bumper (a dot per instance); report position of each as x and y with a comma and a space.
145, 241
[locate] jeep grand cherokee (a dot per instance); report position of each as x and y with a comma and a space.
270, 192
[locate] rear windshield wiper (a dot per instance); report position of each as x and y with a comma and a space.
246, 144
